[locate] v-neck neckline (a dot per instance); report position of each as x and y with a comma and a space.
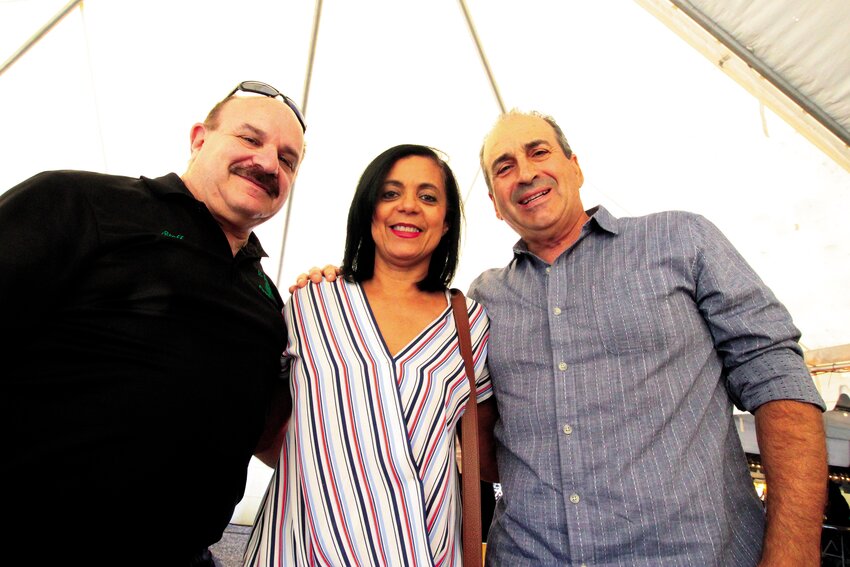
415, 339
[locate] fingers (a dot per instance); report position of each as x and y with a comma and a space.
331, 272
315, 275
300, 282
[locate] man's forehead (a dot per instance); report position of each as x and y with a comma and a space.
250, 109
263, 115
514, 132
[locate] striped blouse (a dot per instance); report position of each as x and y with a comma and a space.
366, 474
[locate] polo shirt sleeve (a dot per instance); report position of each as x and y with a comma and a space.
47, 229
752, 331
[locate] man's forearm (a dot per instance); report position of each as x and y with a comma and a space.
793, 453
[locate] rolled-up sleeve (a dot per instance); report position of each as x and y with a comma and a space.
752, 331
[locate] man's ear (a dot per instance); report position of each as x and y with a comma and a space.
580, 175
495, 208
196, 137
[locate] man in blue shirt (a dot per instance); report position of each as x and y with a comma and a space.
617, 350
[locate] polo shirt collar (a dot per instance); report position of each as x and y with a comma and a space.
172, 184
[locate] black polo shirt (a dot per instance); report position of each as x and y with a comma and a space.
137, 363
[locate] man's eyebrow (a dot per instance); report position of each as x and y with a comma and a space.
499, 160
261, 134
508, 155
254, 130
534, 144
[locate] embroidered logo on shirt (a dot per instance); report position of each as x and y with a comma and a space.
265, 286
169, 235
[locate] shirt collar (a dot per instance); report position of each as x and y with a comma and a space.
600, 219
253, 248
172, 184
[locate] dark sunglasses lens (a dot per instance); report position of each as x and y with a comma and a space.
268, 90
297, 112
260, 88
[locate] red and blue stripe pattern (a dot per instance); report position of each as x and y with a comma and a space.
367, 472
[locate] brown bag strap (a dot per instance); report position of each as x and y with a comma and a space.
471, 490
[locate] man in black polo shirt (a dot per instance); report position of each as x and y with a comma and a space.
142, 344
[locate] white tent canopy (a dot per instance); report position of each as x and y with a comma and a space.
116, 85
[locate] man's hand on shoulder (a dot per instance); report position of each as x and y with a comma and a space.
315, 275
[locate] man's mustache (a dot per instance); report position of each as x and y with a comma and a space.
267, 181
536, 183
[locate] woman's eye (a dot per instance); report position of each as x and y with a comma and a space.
389, 194
429, 198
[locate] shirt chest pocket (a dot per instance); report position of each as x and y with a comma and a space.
635, 312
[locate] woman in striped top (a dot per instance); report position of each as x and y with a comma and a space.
365, 473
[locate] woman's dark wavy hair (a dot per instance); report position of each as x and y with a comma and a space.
358, 265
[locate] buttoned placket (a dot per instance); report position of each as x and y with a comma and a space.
560, 303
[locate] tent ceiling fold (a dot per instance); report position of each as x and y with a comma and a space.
791, 55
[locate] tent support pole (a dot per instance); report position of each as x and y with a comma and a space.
317, 14
482, 55
39, 34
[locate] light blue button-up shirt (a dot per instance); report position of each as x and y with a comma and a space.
615, 370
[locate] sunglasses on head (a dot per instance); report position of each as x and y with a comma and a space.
258, 87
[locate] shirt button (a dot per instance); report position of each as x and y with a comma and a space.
567, 430
548, 269
556, 311
574, 498
562, 366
